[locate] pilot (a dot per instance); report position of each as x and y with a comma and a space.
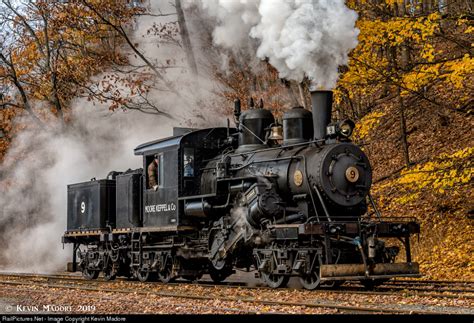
153, 173
188, 167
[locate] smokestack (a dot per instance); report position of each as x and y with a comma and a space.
321, 102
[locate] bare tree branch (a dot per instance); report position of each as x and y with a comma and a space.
119, 29
183, 31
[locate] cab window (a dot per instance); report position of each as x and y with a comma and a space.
155, 173
188, 162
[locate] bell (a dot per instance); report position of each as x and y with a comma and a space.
277, 133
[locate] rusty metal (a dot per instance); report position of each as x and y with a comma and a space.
320, 228
386, 228
377, 271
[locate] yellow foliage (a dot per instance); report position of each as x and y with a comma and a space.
366, 124
427, 58
443, 173
406, 52
456, 71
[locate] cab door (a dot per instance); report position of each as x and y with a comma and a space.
160, 206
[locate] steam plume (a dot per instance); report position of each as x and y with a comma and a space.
299, 37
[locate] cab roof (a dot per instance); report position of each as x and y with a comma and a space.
154, 146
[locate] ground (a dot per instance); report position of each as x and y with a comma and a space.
64, 295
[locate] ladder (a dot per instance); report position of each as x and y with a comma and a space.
136, 252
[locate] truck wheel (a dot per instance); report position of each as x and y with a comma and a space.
276, 281
310, 281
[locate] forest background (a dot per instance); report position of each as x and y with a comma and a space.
408, 85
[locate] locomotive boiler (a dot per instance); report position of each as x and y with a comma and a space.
290, 200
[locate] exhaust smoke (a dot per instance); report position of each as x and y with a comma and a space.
300, 38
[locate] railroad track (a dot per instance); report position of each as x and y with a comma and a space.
359, 308
425, 289
438, 282
397, 281
390, 288
87, 298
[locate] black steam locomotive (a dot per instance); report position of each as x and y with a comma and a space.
284, 201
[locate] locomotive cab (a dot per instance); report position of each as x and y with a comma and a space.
179, 174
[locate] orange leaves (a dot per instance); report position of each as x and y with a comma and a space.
258, 82
367, 124
61, 45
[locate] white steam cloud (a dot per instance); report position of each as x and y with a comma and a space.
299, 37
33, 209
240, 223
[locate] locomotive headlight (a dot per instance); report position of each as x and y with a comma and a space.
346, 130
346, 127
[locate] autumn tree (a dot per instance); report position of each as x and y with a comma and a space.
50, 50
409, 52
409, 84
47, 50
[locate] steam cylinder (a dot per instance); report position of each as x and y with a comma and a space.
297, 126
252, 129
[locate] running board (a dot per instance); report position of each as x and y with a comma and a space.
377, 271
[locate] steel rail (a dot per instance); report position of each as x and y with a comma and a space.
421, 281
387, 291
421, 289
252, 300
391, 282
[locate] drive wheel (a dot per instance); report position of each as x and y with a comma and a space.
276, 281
90, 274
218, 262
310, 281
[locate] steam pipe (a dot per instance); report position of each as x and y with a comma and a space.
321, 102
290, 218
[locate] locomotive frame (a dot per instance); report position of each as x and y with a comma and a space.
292, 209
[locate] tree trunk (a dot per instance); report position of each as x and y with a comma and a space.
183, 31
403, 7
302, 97
403, 129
